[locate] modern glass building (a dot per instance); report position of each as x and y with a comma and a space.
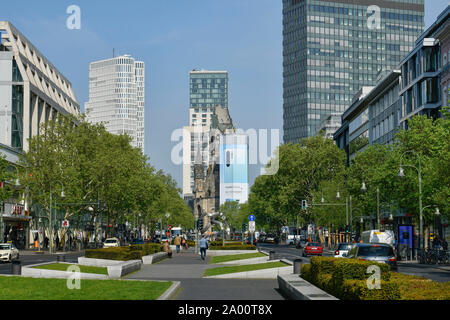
331, 49
207, 90
424, 71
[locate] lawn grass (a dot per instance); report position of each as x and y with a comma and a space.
233, 257
248, 267
83, 269
21, 288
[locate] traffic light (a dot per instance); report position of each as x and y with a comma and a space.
158, 225
347, 228
244, 226
170, 227
304, 204
200, 224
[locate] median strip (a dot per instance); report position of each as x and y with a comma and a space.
234, 257
244, 268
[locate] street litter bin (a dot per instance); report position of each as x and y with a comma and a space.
16, 267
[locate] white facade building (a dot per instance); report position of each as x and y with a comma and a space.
117, 97
32, 92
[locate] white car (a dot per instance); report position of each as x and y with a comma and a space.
8, 252
111, 242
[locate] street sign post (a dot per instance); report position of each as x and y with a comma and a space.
251, 226
251, 218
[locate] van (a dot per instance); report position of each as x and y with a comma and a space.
377, 236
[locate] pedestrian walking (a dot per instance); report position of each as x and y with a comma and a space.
57, 242
203, 244
46, 242
184, 243
165, 247
177, 243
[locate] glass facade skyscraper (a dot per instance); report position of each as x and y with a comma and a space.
208, 89
331, 49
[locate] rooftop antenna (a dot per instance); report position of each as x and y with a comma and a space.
114, 53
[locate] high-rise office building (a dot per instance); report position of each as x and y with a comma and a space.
208, 89
331, 49
117, 97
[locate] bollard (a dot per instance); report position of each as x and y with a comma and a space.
16, 267
272, 255
297, 266
61, 258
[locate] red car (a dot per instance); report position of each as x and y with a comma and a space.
312, 248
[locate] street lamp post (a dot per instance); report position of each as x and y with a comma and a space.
364, 189
401, 174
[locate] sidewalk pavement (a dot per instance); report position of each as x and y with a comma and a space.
188, 268
415, 263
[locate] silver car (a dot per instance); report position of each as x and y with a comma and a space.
379, 252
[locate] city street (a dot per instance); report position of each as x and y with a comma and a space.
434, 272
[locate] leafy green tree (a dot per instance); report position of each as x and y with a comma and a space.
302, 168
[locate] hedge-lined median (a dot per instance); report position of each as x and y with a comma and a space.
132, 252
346, 279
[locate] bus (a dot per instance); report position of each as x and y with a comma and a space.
176, 231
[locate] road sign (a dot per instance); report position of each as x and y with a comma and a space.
251, 226
251, 218
65, 224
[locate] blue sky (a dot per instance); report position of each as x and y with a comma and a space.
173, 37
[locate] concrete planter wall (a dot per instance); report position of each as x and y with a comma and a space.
298, 288
153, 258
116, 269
29, 271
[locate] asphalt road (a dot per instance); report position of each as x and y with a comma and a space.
33, 258
435, 273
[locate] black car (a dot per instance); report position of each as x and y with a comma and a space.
379, 252
248, 240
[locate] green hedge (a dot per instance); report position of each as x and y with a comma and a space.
358, 290
132, 252
233, 247
347, 278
